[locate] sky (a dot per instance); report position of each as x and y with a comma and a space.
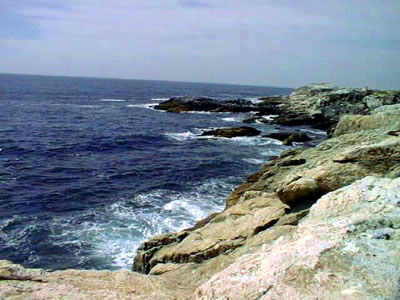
285, 43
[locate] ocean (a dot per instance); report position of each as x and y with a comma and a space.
89, 169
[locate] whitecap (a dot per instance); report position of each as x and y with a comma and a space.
159, 99
255, 141
230, 119
270, 152
314, 131
254, 100
254, 161
148, 105
183, 136
88, 106
269, 117
197, 112
112, 100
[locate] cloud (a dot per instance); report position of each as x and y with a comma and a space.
268, 42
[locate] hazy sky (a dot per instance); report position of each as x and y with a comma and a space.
261, 42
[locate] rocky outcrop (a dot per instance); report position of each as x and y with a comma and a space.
346, 248
184, 104
223, 233
232, 132
321, 105
17, 283
287, 185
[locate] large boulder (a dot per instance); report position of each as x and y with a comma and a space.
346, 248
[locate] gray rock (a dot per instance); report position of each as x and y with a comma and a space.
232, 132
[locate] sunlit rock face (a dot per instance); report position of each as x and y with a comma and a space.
346, 248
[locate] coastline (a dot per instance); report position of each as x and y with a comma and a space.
265, 213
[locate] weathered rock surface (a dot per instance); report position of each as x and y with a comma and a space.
232, 132
321, 105
291, 184
336, 162
18, 283
222, 233
346, 248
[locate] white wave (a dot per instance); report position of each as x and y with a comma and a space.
112, 100
254, 100
314, 131
159, 99
181, 211
230, 119
270, 152
254, 140
147, 105
254, 161
183, 136
269, 117
88, 106
197, 112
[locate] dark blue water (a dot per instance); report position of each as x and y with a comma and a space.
89, 170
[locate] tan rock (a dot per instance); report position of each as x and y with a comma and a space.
333, 164
382, 121
337, 252
225, 232
299, 190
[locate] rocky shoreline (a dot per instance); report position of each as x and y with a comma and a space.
314, 223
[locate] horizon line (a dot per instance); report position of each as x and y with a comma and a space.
163, 80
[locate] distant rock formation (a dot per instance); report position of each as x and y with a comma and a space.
232, 132
321, 105
184, 104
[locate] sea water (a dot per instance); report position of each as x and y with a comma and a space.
89, 169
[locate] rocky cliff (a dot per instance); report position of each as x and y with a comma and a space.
315, 223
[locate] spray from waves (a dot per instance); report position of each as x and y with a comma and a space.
246, 140
254, 100
108, 237
232, 119
254, 141
118, 230
182, 136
